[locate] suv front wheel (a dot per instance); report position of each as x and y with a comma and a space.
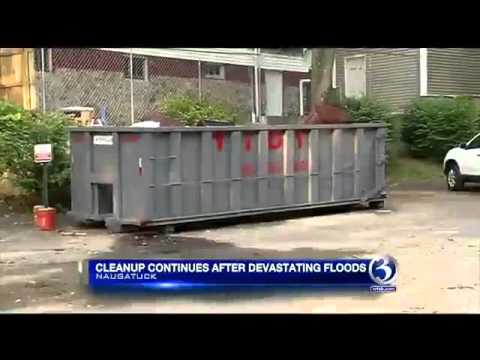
454, 178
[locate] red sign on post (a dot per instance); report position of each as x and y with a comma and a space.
43, 153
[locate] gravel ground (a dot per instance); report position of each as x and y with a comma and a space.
434, 235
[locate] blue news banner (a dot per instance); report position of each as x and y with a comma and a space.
378, 274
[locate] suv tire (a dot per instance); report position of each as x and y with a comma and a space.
455, 179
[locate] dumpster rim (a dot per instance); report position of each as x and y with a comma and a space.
127, 129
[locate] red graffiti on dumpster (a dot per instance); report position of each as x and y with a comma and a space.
275, 140
219, 138
247, 142
300, 138
248, 169
300, 165
275, 167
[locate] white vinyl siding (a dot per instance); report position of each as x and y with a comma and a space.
392, 75
453, 71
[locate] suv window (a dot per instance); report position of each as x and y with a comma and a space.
475, 144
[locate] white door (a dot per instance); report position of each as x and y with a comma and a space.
274, 93
355, 77
471, 157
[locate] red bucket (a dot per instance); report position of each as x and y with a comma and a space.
46, 219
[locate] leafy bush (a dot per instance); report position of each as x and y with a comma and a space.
191, 110
368, 110
20, 130
434, 125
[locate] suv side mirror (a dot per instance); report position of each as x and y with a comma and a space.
463, 146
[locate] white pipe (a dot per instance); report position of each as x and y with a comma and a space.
300, 85
44, 104
132, 111
199, 80
257, 86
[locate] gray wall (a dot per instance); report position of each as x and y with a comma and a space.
392, 74
453, 71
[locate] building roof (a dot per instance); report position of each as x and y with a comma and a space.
234, 56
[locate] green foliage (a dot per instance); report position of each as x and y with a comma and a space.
368, 110
406, 169
191, 110
432, 126
20, 130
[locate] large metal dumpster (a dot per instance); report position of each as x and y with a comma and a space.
161, 176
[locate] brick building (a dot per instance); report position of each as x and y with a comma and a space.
100, 78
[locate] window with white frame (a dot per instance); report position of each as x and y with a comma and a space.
139, 68
307, 97
214, 71
47, 59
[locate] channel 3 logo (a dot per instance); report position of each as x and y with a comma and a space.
383, 270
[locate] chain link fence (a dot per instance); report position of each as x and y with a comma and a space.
124, 86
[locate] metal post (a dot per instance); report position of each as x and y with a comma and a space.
45, 185
199, 80
44, 103
132, 110
257, 85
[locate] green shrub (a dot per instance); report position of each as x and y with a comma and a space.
432, 126
20, 130
191, 110
368, 110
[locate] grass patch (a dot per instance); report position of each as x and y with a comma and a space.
405, 169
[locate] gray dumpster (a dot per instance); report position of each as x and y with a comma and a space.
162, 176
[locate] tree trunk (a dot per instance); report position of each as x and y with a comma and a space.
325, 108
322, 66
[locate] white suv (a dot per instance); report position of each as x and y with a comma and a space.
462, 164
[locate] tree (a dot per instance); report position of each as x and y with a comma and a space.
322, 66
324, 110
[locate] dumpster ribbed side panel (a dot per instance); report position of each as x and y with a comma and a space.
301, 166
249, 170
175, 175
206, 174
325, 156
380, 159
80, 185
345, 165
161, 179
158, 176
262, 170
288, 160
235, 173
134, 189
367, 163
313, 167
190, 173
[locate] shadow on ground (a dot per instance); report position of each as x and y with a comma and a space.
177, 246
66, 287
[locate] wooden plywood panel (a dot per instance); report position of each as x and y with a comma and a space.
17, 77
10, 51
12, 94
11, 70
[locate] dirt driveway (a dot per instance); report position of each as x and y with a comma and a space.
434, 235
